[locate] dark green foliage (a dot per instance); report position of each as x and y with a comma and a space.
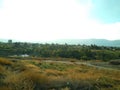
115, 62
56, 66
82, 52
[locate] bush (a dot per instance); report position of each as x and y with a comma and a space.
105, 82
40, 81
4, 61
17, 82
2, 75
115, 62
19, 67
4, 88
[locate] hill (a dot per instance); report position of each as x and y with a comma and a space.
99, 42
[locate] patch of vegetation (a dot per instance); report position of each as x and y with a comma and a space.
52, 65
38, 75
4, 61
115, 62
20, 50
107, 83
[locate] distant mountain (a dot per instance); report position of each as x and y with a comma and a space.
99, 42
6, 40
3, 40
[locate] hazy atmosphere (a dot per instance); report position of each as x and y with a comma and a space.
35, 20
59, 44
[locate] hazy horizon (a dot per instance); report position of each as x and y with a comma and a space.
46, 20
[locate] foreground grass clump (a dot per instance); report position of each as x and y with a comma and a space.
15, 82
4, 61
40, 81
42, 75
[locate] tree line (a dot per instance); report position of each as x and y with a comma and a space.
81, 52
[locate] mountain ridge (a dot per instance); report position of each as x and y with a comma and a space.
99, 42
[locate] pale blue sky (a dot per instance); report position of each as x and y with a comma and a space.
1, 3
42, 20
107, 11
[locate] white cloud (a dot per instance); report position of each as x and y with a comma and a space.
51, 19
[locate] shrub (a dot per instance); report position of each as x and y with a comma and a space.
19, 67
5, 88
105, 82
40, 81
80, 84
17, 82
2, 75
115, 62
4, 61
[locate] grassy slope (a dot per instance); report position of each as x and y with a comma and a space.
38, 75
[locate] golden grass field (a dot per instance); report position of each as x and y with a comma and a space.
40, 75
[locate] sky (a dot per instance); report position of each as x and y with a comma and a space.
44, 20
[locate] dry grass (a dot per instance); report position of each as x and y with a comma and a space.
2, 69
39, 80
5, 88
17, 82
78, 76
4, 61
37, 75
53, 72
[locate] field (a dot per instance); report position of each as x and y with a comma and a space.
56, 74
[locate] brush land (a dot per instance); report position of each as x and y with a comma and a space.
56, 74
27, 66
